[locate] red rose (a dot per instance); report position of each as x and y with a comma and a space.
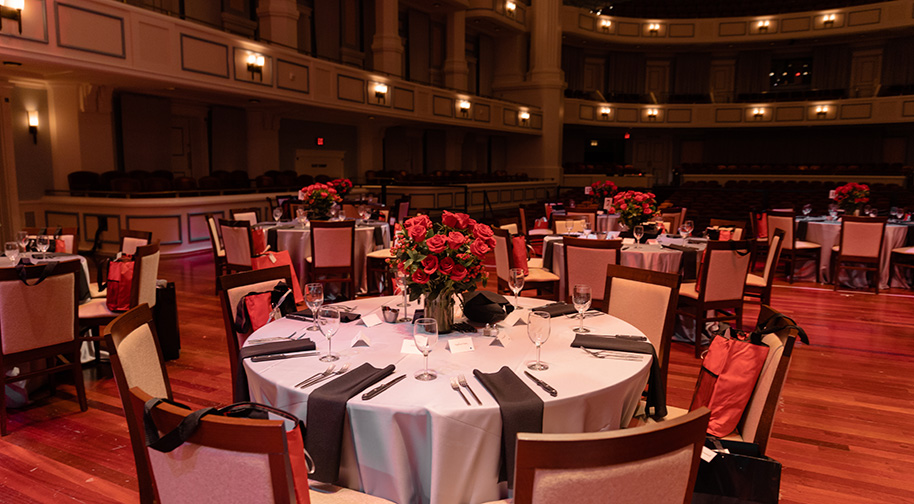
446, 265
449, 219
417, 233
471, 223
463, 220
436, 244
420, 277
459, 273
422, 220
430, 264
455, 239
479, 248
482, 231
490, 241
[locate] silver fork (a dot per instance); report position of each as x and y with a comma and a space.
463, 382
456, 386
305, 382
340, 371
609, 354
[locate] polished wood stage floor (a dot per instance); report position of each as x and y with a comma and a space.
843, 432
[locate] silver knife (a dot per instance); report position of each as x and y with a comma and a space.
261, 358
377, 390
542, 384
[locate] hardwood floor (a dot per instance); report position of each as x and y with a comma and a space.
842, 433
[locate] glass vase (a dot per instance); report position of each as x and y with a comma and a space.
442, 310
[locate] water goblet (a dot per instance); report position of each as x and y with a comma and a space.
874, 212
43, 244
832, 211
277, 214
328, 320
638, 232
807, 209
425, 334
538, 332
11, 250
689, 226
581, 296
893, 211
569, 226
402, 282
314, 297
23, 238
516, 282
587, 228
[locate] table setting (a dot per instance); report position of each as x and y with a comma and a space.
13, 254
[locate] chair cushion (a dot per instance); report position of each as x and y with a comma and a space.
688, 290
322, 493
95, 293
800, 244
541, 275
96, 308
535, 262
755, 280
539, 232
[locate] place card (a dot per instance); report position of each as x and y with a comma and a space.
707, 454
514, 318
460, 345
501, 339
371, 320
361, 340
409, 347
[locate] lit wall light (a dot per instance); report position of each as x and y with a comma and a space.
653, 28
380, 92
605, 24
828, 20
510, 8
594, 143
464, 107
255, 65
758, 113
33, 125
524, 117
12, 9
652, 114
605, 111
763, 26
821, 111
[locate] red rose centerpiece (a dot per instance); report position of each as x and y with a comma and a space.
603, 189
634, 207
441, 259
318, 199
852, 196
342, 185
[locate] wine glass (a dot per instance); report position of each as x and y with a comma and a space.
688, 226
832, 211
569, 226
516, 282
328, 320
538, 332
314, 297
11, 250
893, 211
874, 212
43, 244
277, 214
638, 232
23, 239
581, 296
807, 209
364, 213
402, 283
587, 228
334, 211
425, 334
301, 216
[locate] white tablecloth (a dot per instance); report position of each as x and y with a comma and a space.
828, 234
608, 222
298, 243
418, 441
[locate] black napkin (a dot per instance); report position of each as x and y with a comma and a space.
681, 248
521, 411
557, 309
278, 347
306, 314
656, 396
326, 413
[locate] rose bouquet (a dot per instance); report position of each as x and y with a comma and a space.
634, 207
852, 196
603, 190
343, 186
318, 199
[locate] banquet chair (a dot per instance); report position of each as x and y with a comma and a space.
136, 361
758, 228
69, 235
402, 210
674, 216
238, 244
510, 227
654, 463
29, 334
647, 300
333, 254
760, 286
218, 250
379, 272
585, 263
538, 277
535, 235
590, 217
738, 227
230, 459
720, 285
792, 248
902, 257
559, 225
251, 215
860, 247
232, 289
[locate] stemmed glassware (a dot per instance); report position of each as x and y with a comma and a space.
425, 334
314, 297
874, 212
688, 226
587, 228
538, 332
581, 296
832, 211
516, 282
328, 320
301, 216
23, 239
638, 232
11, 250
43, 244
807, 209
569, 226
401, 282
277, 214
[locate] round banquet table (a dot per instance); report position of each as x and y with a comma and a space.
419, 441
828, 234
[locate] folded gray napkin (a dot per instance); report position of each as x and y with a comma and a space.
278, 347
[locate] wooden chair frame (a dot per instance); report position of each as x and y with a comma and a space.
789, 255
764, 293
539, 286
219, 261
342, 274
902, 260
858, 263
255, 210
571, 242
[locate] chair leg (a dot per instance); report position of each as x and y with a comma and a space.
699, 330
78, 381
3, 413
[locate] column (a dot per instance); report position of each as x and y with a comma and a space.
455, 62
10, 222
279, 21
386, 47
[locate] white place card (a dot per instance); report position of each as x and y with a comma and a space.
831, 194
371, 320
514, 318
501, 339
360, 340
409, 347
460, 345
707, 454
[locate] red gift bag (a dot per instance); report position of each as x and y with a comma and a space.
259, 241
120, 282
519, 250
281, 258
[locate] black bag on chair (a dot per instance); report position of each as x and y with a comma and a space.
741, 476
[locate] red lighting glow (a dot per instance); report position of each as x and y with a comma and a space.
319, 141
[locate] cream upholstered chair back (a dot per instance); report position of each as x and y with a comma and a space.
332, 243
862, 236
671, 220
225, 460
236, 238
402, 210
589, 217
775, 242
510, 228
653, 463
786, 220
647, 300
138, 356
250, 217
724, 270
214, 235
25, 323
585, 263
147, 270
559, 224
502, 254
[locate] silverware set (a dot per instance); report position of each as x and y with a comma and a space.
612, 354
587, 314
326, 375
461, 381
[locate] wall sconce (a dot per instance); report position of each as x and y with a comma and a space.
510, 8
11, 9
380, 92
821, 111
828, 20
604, 111
652, 114
763, 26
33, 125
464, 107
605, 24
524, 117
594, 143
758, 113
255, 65
653, 28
